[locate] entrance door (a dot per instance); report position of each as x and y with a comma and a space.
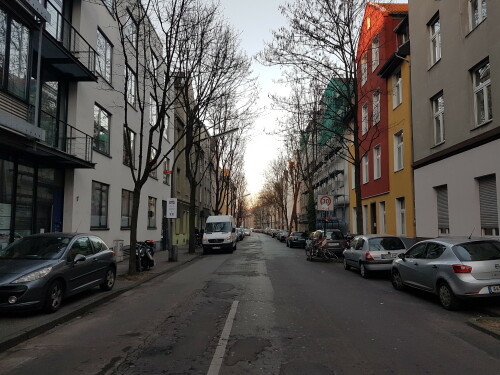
24, 200
373, 215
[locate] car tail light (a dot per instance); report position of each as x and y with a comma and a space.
368, 256
461, 268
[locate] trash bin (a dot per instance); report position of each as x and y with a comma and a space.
172, 256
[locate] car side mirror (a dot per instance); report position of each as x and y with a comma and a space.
79, 258
402, 256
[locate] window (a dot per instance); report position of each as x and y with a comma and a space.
81, 246
99, 207
364, 70
3, 42
381, 210
397, 93
18, 57
438, 113
166, 171
154, 65
166, 127
101, 130
154, 171
482, 94
130, 30
131, 86
401, 216
151, 212
477, 9
398, 151
104, 56
376, 107
127, 200
152, 111
434, 250
417, 251
364, 162
375, 53
442, 209
128, 147
364, 118
488, 208
435, 32
377, 167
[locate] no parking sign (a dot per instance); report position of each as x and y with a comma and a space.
325, 202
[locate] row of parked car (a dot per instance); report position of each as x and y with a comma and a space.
453, 268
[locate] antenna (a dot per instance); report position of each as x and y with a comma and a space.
472, 232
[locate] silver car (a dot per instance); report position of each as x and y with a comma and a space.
373, 252
38, 271
453, 268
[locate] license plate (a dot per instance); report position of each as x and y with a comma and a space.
216, 247
335, 244
494, 289
388, 256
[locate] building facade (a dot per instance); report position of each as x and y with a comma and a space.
376, 98
63, 163
456, 132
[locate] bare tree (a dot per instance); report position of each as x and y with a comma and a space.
321, 44
150, 58
213, 67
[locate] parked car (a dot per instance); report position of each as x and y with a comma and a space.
372, 252
282, 235
297, 239
335, 241
246, 231
454, 268
39, 270
240, 233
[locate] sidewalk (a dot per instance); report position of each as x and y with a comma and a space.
17, 327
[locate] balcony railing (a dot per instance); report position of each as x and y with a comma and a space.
64, 32
66, 138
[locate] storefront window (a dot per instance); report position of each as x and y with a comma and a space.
6, 176
24, 200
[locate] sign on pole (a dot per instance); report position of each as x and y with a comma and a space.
172, 208
325, 202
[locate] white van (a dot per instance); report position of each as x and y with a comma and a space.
220, 234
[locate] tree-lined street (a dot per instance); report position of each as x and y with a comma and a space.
291, 317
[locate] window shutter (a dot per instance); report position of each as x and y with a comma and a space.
442, 207
488, 202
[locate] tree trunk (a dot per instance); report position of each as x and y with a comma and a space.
192, 217
136, 200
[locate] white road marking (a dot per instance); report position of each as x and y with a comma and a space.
221, 346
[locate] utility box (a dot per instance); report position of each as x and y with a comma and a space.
118, 249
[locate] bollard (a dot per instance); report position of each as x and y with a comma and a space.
172, 256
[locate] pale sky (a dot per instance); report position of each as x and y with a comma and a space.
255, 19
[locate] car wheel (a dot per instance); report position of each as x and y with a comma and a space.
109, 281
396, 280
53, 298
447, 298
346, 266
363, 271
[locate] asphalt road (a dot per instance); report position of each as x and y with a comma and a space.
262, 310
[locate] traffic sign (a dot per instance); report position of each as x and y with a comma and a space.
325, 202
172, 208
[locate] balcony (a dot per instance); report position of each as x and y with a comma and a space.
65, 50
75, 144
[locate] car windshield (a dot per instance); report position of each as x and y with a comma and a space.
478, 251
218, 227
36, 247
385, 243
336, 236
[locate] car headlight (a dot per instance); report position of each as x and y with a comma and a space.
228, 238
33, 275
